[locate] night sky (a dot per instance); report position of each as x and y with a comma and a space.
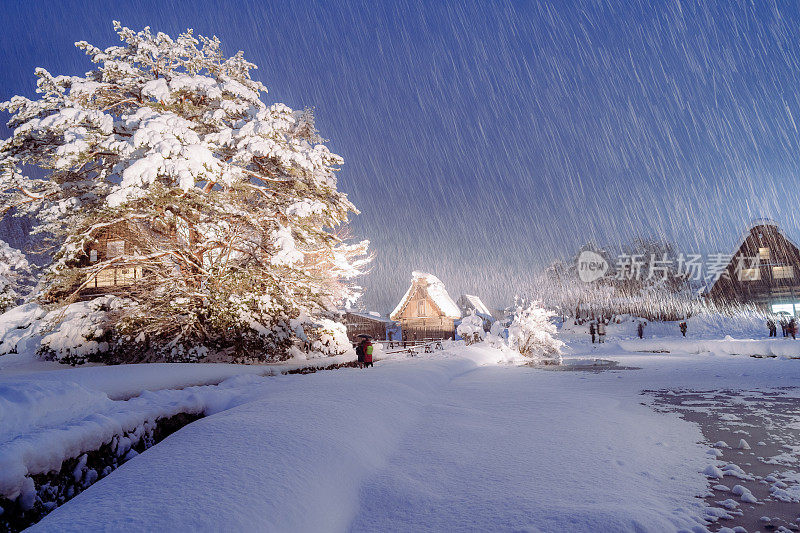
482, 141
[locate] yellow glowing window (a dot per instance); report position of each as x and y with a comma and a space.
783, 272
750, 274
763, 253
105, 278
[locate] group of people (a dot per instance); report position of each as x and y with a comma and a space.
364, 352
788, 327
598, 331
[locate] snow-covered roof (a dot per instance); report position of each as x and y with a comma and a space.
372, 315
476, 304
753, 224
436, 291
761, 222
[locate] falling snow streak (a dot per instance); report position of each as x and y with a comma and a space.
482, 140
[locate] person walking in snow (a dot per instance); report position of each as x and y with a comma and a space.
601, 331
360, 353
773, 330
368, 349
793, 328
640, 330
784, 326
684, 327
592, 330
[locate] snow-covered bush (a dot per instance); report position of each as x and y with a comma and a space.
327, 337
73, 334
14, 271
533, 335
496, 336
471, 328
229, 205
80, 332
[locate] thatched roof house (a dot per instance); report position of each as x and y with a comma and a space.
764, 270
426, 311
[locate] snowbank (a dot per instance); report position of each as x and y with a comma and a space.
121, 382
29, 404
39, 446
429, 443
761, 347
71, 334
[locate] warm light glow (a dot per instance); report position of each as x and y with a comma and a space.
783, 272
750, 274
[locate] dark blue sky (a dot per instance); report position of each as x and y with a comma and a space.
483, 140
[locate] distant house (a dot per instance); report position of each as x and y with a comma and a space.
468, 303
426, 311
763, 271
370, 323
112, 244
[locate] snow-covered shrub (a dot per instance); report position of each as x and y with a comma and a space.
224, 199
81, 331
327, 337
73, 334
471, 328
14, 271
496, 336
533, 335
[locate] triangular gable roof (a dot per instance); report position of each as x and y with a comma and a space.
753, 225
749, 231
477, 304
435, 290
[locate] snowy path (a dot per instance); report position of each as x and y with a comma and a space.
424, 444
517, 449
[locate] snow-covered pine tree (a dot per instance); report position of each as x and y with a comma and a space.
230, 204
15, 271
532, 334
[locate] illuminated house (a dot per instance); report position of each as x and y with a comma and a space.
114, 246
763, 271
426, 311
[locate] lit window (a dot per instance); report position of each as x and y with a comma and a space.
93, 256
105, 278
115, 249
421, 308
783, 308
763, 253
125, 276
783, 272
750, 274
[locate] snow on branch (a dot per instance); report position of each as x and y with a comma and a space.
219, 196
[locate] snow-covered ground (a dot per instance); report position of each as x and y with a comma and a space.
444, 441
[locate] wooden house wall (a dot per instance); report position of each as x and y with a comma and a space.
427, 328
115, 240
360, 325
430, 324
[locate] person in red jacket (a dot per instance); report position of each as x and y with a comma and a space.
368, 349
